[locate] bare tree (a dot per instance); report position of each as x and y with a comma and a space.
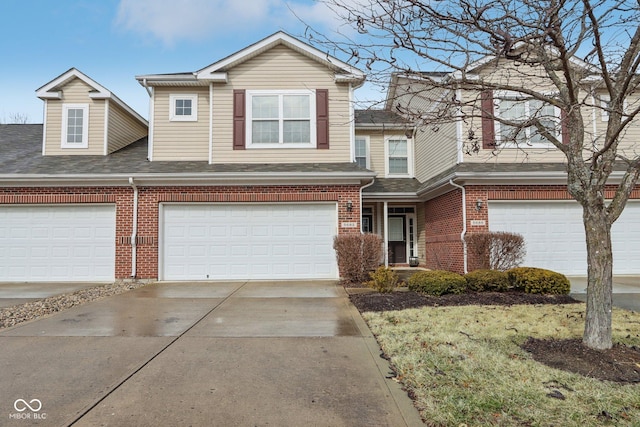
588, 53
17, 118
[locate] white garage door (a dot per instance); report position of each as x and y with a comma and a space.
248, 241
57, 243
554, 235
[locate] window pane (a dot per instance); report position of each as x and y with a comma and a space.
361, 147
183, 107
265, 107
398, 165
296, 131
361, 161
74, 125
296, 106
397, 148
265, 131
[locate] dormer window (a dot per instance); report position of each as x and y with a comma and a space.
75, 126
184, 108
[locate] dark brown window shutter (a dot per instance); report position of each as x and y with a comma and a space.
322, 118
564, 129
239, 128
488, 127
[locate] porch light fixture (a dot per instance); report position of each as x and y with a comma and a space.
478, 205
349, 206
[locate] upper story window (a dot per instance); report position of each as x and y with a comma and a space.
398, 155
279, 119
183, 108
518, 109
75, 126
362, 151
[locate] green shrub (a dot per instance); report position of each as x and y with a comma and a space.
437, 282
487, 281
538, 281
383, 279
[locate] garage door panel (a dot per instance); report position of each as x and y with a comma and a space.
57, 242
554, 234
250, 241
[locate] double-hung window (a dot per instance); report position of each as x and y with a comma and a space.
183, 108
75, 126
362, 151
517, 109
398, 151
281, 119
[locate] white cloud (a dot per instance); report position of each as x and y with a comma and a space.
174, 20
171, 21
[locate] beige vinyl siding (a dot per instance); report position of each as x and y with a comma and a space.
175, 140
436, 150
376, 150
123, 129
536, 78
281, 68
75, 92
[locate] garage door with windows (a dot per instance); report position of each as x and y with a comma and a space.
57, 243
554, 234
248, 241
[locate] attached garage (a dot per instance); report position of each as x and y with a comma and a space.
240, 241
554, 234
42, 243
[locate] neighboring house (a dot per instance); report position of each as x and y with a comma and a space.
249, 167
496, 186
247, 172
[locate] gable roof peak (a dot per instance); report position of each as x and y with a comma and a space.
276, 39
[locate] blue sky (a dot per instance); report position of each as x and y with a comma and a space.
114, 40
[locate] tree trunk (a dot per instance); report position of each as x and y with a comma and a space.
597, 331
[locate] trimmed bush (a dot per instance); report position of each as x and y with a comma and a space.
437, 282
487, 281
383, 279
358, 254
538, 281
495, 250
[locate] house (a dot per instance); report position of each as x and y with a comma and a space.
474, 179
245, 172
248, 168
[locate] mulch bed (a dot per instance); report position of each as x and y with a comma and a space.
620, 363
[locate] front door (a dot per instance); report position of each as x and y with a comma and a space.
397, 239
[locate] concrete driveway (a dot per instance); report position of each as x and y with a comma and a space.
202, 354
626, 291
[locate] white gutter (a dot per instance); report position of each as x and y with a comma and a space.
134, 228
464, 225
146, 86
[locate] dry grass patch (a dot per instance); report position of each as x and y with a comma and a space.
464, 366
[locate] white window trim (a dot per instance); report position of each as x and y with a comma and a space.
85, 125
409, 173
281, 144
367, 140
509, 95
193, 97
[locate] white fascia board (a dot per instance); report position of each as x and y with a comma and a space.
50, 88
226, 179
160, 79
218, 77
390, 196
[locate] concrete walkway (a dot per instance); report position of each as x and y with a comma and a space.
202, 354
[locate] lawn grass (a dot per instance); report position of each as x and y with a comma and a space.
464, 366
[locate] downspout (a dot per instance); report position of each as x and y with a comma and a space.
362, 188
134, 231
464, 225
